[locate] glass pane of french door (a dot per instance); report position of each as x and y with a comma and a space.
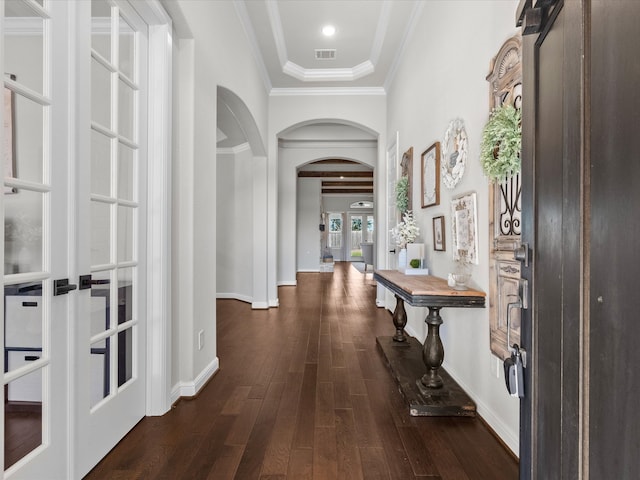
355, 238
114, 205
35, 118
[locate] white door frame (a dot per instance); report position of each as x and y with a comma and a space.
159, 207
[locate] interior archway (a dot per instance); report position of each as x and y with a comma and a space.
312, 158
241, 203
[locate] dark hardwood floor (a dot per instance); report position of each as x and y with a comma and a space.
303, 393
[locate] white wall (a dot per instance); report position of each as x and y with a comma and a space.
441, 77
218, 55
308, 219
234, 261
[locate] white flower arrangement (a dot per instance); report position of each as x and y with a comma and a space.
406, 231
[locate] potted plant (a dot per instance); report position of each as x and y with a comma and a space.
405, 232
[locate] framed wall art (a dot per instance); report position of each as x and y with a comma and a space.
464, 227
430, 185
439, 242
454, 153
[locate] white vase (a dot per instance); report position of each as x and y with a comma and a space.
402, 259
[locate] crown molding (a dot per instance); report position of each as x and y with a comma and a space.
324, 91
243, 147
415, 16
332, 143
241, 11
327, 74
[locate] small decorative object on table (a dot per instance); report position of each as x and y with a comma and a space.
461, 275
405, 233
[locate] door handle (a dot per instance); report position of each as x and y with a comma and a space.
522, 254
392, 251
62, 286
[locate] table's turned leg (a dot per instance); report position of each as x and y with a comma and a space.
433, 351
399, 320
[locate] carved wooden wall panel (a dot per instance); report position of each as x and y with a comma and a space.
505, 80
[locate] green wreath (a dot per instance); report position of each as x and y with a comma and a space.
502, 143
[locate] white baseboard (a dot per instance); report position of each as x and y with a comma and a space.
235, 296
508, 436
288, 283
190, 389
274, 303
308, 270
260, 305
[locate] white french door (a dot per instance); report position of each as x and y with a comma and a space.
35, 152
393, 169
110, 337
74, 150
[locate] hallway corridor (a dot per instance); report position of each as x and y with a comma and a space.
303, 393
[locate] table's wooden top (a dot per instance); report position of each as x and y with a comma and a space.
427, 290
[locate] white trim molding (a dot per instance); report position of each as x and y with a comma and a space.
324, 91
159, 218
234, 296
191, 389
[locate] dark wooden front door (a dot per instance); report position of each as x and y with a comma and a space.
581, 194
552, 211
614, 238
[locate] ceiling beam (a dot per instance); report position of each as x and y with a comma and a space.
347, 183
321, 174
347, 190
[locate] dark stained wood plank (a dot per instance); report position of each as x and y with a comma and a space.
243, 423
341, 396
397, 458
325, 453
276, 460
210, 450
254, 452
441, 451
301, 464
306, 411
325, 405
374, 463
366, 430
349, 464
226, 463
236, 401
418, 454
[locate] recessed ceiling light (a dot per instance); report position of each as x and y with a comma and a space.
328, 30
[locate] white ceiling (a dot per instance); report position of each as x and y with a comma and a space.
369, 39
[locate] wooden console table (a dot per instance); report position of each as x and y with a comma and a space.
437, 393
